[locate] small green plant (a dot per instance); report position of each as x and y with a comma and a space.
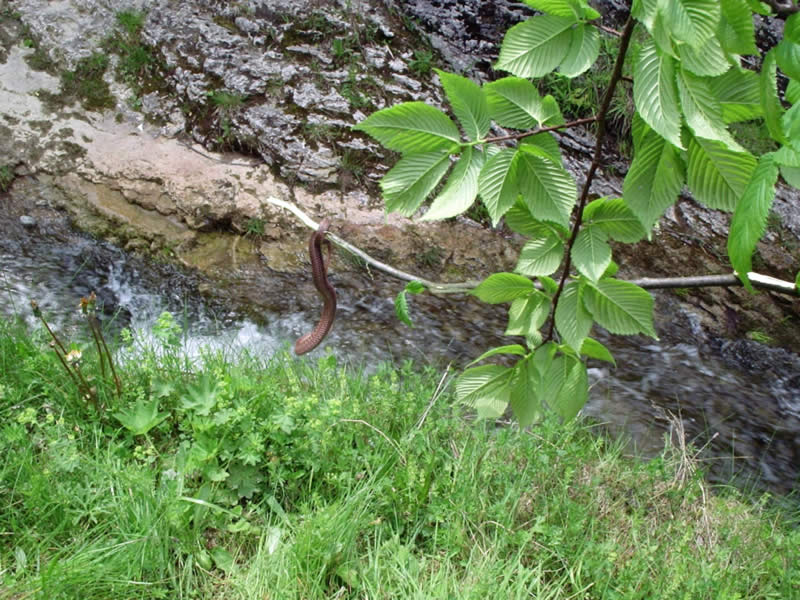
224, 100
131, 21
254, 226
422, 63
6, 177
86, 83
761, 337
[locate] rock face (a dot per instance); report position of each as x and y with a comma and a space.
242, 101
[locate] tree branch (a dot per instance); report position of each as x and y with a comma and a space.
524, 134
600, 138
464, 287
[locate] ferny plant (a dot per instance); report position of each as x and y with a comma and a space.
685, 60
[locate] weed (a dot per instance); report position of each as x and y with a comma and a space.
131, 21
254, 226
6, 177
760, 337
422, 63
86, 83
225, 101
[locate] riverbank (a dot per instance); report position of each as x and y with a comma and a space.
244, 477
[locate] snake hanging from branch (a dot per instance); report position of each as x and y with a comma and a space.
319, 272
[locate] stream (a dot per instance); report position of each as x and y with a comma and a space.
738, 402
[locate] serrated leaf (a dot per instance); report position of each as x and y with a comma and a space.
620, 307
792, 176
750, 217
497, 183
415, 287
486, 388
702, 111
655, 93
140, 418
691, 21
515, 102
573, 321
535, 47
787, 55
544, 142
411, 127
574, 389
594, 349
560, 8
542, 254
614, 217
401, 308
591, 254
524, 396
514, 349
716, 175
527, 314
792, 93
461, 188
503, 287
547, 188
737, 92
736, 29
583, 50
791, 123
707, 60
410, 181
469, 104
773, 111
655, 178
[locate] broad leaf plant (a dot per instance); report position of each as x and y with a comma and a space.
689, 84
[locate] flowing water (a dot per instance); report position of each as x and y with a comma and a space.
738, 401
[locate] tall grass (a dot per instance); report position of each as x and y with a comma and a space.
278, 478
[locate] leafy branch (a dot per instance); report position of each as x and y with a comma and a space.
600, 138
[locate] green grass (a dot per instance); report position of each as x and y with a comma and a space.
279, 478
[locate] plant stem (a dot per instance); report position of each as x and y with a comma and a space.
600, 137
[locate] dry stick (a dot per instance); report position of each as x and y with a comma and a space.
464, 287
600, 137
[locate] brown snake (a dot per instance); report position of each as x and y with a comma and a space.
319, 271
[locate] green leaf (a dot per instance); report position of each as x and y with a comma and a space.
515, 349
738, 93
546, 187
549, 284
573, 321
691, 21
515, 102
620, 307
566, 386
750, 217
542, 254
797, 282
702, 111
544, 142
583, 50
527, 314
773, 111
503, 287
535, 47
655, 93
411, 127
791, 123
410, 181
793, 92
792, 176
717, 176
594, 349
560, 8
401, 308
525, 388
655, 178
736, 29
709, 59
461, 188
497, 183
141, 417
415, 287
469, 104
591, 254
486, 388
787, 55
614, 217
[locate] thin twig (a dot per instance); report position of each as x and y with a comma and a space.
600, 138
524, 134
439, 389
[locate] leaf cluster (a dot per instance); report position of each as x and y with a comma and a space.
689, 87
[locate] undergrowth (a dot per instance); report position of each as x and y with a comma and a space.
279, 478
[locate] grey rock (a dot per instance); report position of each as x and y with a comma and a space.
27, 221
